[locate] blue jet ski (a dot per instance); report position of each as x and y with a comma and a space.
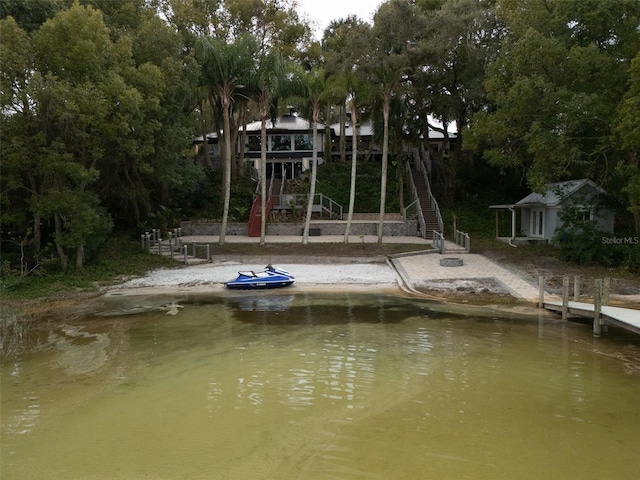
270, 277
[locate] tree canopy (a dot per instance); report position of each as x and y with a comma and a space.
100, 100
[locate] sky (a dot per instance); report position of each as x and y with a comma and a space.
322, 12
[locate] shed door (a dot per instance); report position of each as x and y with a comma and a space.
537, 222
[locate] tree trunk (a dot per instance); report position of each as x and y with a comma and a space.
343, 139
385, 154
243, 141
80, 256
327, 137
64, 261
227, 170
263, 177
205, 142
37, 232
354, 161
314, 173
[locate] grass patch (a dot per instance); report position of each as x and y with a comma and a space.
119, 258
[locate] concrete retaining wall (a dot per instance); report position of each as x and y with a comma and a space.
408, 228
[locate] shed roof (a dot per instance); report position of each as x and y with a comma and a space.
553, 194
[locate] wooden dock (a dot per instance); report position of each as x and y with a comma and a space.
626, 318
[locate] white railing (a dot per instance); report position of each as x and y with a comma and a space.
438, 241
321, 204
421, 222
433, 203
462, 239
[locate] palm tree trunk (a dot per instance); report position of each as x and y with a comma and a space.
314, 173
385, 154
343, 139
227, 170
354, 158
263, 177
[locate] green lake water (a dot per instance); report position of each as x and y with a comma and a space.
318, 386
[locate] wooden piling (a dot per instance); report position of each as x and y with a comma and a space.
576, 288
565, 297
541, 291
597, 307
606, 290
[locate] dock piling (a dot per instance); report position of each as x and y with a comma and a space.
541, 290
606, 290
565, 297
597, 304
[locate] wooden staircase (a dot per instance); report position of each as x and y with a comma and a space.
428, 210
255, 216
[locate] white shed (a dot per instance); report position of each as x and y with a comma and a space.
540, 212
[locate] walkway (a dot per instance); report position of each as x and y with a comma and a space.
420, 269
626, 318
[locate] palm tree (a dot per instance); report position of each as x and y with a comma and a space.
225, 70
267, 85
357, 97
312, 91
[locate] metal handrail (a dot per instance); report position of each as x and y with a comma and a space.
421, 221
433, 203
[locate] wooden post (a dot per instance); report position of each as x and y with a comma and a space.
576, 288
208, 252
142, 241
185, 254
597, 307
159, 245
541, 291
194, 249
606, 290
565, 297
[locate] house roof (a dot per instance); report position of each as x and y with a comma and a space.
364, 129
553, 194
290, 123
284, 123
